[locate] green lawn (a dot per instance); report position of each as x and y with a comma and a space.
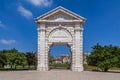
59, 66
88, 67
54, 66
19, 68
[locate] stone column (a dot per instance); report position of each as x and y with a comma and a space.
70, 45
41, 49
78, 48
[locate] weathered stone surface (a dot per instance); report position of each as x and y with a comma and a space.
60, 26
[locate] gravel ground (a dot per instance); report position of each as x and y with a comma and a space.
58, 75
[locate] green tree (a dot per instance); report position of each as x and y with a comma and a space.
20, 59
2, 59
15, 58
11, 58
31, 59
51, 59
104, 57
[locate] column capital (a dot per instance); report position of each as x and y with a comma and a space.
78, 29
41, 29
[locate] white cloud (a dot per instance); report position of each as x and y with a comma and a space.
24, 12
4, 41
44, 3
1, 25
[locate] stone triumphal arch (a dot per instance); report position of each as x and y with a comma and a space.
60, 26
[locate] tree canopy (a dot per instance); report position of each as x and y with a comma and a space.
31, 58
14, 58
104, 57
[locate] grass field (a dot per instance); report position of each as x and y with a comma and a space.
18, 68
59, 66
88, 67
55, 66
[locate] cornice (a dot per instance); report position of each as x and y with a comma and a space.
61, 21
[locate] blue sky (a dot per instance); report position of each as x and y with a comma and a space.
18, 29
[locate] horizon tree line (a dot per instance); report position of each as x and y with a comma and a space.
14, 58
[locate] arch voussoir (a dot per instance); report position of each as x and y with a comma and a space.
60, 29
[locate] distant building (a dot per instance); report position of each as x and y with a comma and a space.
62, 59
65, 58
85, 54
57, 60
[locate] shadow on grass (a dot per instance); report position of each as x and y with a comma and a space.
109, 71
16, 69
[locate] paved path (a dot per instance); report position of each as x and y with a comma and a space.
58, 75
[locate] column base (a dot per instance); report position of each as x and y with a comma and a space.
77, 69
42, 69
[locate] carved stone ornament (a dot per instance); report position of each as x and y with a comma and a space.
60, 26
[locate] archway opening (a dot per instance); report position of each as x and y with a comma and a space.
60, 57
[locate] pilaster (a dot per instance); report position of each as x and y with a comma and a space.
42, 49
78, 48
57, 28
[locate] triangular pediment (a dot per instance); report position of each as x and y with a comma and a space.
60, 13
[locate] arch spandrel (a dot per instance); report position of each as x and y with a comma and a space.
60, 35
60, 26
